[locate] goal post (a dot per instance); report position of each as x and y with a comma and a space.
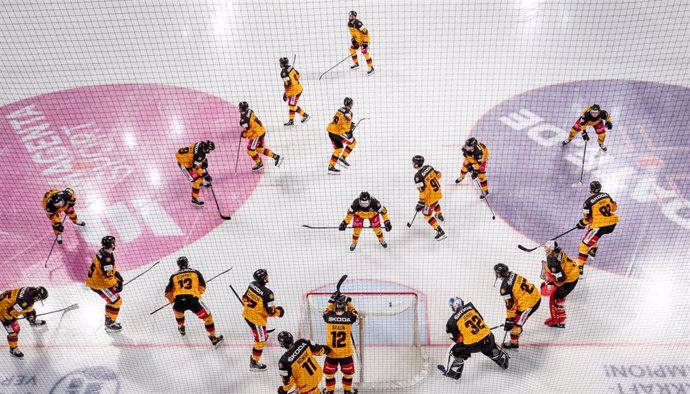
387, 336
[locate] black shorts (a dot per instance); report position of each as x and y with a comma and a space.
565, 289
187, 302
485, 346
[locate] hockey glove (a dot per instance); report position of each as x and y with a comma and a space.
204, 164
355, 44
281, 390
58, 227
279, 311
365, 45
284, 96
343, 226
509, 324
70, 203
387, 225
585, 136
609, 125
419, 207
208, 178
475, 174
581, 224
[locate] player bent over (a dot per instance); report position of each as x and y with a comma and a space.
259, 305
360, 39
599, 217
255, 132
561, 275
293, 90
56, 202
298, 367
340, 132
14, 304
427, 181
476, 156
366, 208
522, 300
193, 163
104, 280
592, 116
184, 291
470, 333
339, 321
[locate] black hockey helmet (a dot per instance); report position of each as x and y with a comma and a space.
595, 107
501, 270
244, 107
353, 14
108, 242
471, 142
284, 62
348, 102
39, 293
261, 276
418, 161
285, 339
209, 146
68, 193
183, 262
595, 187
364, 199
340, 303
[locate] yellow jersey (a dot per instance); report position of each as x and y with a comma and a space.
357, 31
103, 272
599, 211
562, 268
341, 123
253, 128
339, 333
186, 281
298, 366
428, 183
518, 294
259, 304
15, 303
467, 326
291, 82
192, 156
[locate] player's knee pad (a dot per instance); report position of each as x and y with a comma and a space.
482, 177
352, 143
516, 331
259, 345
202, 314
455, 369
117, 302
357, 231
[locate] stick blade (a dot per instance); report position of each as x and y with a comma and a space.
71, 308
340, 282
225, 217
524, 249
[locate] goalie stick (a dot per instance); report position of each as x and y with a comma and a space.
524, 249
207, 282
242, 303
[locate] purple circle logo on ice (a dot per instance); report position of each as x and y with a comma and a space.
100, 380
115, 146
646, 169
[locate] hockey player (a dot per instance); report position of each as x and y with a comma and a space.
340, 132
427, 181
476, 156
298, 367
360, 39
56, 202
255, 132
521, 298
259, 305
369, 208
293, 90
14, 304
184, 291
599, 217
467, 328
193, 163
592, 116
561, 276
339, 323
106, 281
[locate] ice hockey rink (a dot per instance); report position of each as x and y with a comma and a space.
98, 96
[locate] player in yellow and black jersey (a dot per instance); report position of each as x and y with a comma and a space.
293, 91
14, 304
193, 163
254, 131
522, 299
476, 155
593, 116
56, 202
561, 275
106, 281
470, 334
599, 217
340, 132
366, 208
428, 184
184, 291
360, 40
298, 367
259, 305
339, 321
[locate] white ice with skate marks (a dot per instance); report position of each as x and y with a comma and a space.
420, 101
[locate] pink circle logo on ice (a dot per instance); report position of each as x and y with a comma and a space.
115, 146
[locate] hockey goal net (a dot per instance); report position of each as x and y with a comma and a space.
387, 338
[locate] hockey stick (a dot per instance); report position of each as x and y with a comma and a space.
524, 249
409, 224
239, 146
207, 282
331, 227
340, 283
504, 340
357, 124
498, 326
66, 309
149, 269
54, 242
242, 303
486, 198
582, 171
327, 71
224, 217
